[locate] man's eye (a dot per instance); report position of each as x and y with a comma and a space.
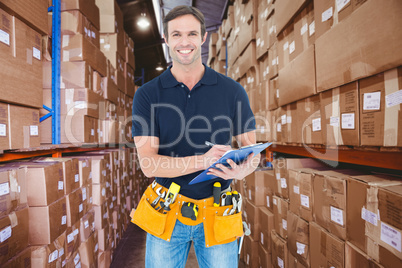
193, 34
175, 35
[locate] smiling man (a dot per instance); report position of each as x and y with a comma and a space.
173, 116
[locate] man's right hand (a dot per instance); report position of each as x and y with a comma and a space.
213, 155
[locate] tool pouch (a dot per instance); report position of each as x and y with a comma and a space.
221, 229
152, 221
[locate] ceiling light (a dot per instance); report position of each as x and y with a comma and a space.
159, 68
143, 23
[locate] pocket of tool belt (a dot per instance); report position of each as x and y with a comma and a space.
146, 217
225, 228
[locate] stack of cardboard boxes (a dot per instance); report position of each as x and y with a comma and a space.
305, 214
67, 211
319, 72
21, 29
97, 75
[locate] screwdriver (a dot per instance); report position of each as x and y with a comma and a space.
217, 193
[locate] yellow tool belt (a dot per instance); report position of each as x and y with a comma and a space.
218, 229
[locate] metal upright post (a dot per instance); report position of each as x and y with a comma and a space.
56, 40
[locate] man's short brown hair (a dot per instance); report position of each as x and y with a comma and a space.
181, 11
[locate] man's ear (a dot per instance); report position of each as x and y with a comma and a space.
204, 38
164, 38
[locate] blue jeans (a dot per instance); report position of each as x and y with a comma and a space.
173, 254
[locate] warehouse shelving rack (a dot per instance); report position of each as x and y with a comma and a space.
56, 149
371, 156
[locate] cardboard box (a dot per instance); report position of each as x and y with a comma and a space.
251, 215
22, 68
330, 12
269, 185
89, 251
289, 130
121, 80
129, 75
389, 208
74, 129
75, 74
255, 188
32, 13
14, 190
279, 251
362, 204
285, 12
4, 126
99, 193
112, 43
248, 59
75, 207
101, 216
294, 263
76, 102
48, 222
264, 258
330, 197
15, 234
367, 52
267, 223
380, 116
103, 239
84, 169
71, 175
296, 80
273, 60
309, 120
298, 238
73, 22
281, 208
273, 94
23, 130
129, 45
98, 85
339, 115
304, 27
281, 167
78, 48
355, 257
111, 91
250, 252
51, 255
44, 182
88, 8
112, 16
20, 260
325, 248
73, 239
301, 192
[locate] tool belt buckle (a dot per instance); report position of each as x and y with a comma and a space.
189, 210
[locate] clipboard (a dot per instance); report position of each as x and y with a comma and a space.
237, 156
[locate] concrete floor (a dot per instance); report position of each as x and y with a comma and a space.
130, 252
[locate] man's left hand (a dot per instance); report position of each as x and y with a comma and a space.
237, 172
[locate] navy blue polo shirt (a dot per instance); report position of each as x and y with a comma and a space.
216, 109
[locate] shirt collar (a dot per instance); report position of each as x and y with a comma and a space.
168, 80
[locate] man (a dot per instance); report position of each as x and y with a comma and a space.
173, 116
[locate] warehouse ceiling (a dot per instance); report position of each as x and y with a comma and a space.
148, 43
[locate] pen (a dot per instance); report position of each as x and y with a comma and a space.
209, 143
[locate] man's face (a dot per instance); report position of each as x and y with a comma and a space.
184, 39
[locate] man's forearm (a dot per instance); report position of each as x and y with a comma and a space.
170, 167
